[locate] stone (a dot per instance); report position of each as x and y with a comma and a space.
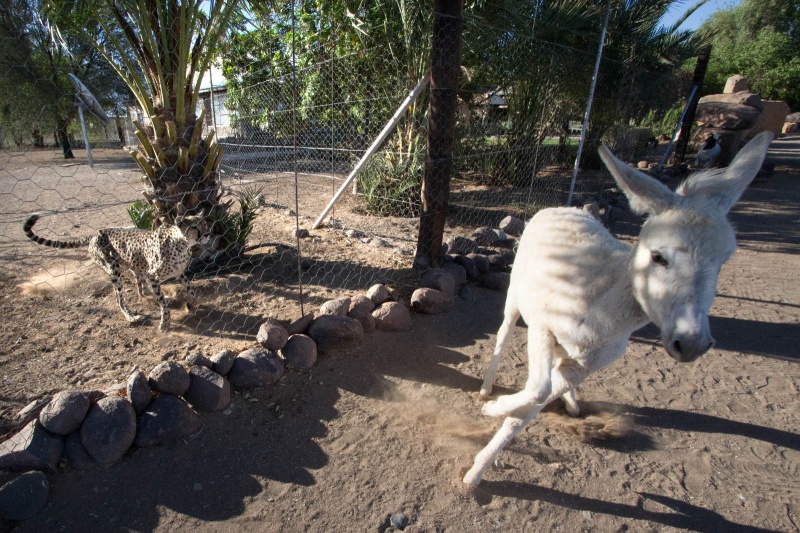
256, 368
300, 325
76, 454
208, 390
398, 521
365, 317
354, 234
109, 429
33, 448
29, 412
300, 233
272, 335
501, 235
392, 316
498, 281
642, 165
223, 361
473, 274
300, 352
335, 332
793, 117
363, 302
458, 272
484, 236
771, 119
166, 419
460, 245
439, 279
378, 294
481, 262
194, 359
431, 301
169, 377
138, 390
377, 242
24, 496
727, 116
497, 262
338, 307
742, 98
512, 225
736, 84
789, 127
65, 412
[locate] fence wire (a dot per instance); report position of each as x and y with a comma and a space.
294, 118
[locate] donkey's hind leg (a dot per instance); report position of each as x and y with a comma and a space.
504, 334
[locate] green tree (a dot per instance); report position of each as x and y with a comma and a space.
761, 41
36, 98
161, 49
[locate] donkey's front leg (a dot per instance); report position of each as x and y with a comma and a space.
562, 380
541, 345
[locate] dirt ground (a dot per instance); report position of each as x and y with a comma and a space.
390, 427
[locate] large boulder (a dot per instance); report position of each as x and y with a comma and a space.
76, 454
458, 272
735, 84
256, 368
484, 236
460, 245
223, 361
170, 377
392, 316
741, 98
440, 280
300, 325
771, 119
365, 317
335, 332
24, 496
272, 335
166, 419
109, 429
512, 225
33, 448
208, 390
431, 301
728, 116
139, 393
378, 294
65, 412
300, 352
337, 307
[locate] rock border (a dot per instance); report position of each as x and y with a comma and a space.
99, 427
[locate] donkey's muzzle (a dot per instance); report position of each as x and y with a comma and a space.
688, 348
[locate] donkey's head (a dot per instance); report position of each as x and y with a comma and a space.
684, 243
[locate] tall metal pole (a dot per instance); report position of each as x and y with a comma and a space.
589, 105
85, 135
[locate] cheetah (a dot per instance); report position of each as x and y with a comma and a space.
152, 256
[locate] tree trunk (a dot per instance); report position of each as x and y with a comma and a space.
445, 70
63, 139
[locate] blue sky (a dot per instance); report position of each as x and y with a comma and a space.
699, 16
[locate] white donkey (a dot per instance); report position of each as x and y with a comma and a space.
582, 292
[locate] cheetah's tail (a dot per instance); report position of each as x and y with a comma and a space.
28, 229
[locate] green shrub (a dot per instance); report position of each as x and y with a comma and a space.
391, 184
235, 227
141, 214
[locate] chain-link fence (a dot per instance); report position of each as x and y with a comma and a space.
323, 125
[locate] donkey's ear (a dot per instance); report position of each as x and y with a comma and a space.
717, 189
645, 194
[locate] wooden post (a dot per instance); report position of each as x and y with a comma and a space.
688, 119
445, 70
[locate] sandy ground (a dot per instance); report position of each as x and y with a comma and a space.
389, 427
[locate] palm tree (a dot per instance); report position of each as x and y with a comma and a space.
161, 49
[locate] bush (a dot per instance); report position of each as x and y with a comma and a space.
391, 184
141, 214
235, 227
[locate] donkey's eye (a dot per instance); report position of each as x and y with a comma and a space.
659, 259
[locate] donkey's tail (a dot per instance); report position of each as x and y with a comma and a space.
28, 229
